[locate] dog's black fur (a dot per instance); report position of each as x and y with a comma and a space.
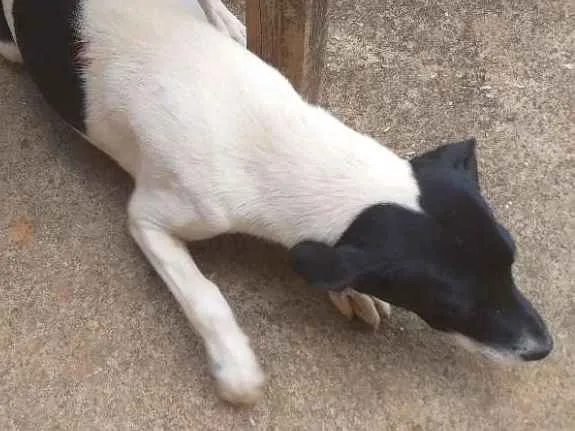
50, 46
450, 264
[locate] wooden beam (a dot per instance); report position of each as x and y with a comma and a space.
291, 36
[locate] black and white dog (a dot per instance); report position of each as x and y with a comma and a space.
217, 141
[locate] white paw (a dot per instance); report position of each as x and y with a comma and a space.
240, 379
233, 26
238, 33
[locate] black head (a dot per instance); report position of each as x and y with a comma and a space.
451, 263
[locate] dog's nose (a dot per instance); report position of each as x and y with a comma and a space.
538, 350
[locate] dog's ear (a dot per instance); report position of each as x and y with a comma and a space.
457, 155
324, 266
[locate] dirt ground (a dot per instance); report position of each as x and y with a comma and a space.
90, 339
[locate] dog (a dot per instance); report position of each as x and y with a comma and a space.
217, 141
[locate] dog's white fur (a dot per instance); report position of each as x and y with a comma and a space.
217, 141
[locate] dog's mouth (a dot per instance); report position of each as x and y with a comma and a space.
525, 350
496, 355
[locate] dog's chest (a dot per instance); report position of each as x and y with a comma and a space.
47, 35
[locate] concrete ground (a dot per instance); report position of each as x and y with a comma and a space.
90, 339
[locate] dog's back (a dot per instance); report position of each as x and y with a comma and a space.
60, 40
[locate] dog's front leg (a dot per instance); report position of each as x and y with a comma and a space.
224, 20
234, 365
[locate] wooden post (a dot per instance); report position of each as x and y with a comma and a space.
291, 36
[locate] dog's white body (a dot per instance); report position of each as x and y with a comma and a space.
217, 141
223, 139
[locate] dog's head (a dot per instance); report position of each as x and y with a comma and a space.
451, 264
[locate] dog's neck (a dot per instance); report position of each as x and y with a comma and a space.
316, 175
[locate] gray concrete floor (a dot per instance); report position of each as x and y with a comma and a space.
90, 339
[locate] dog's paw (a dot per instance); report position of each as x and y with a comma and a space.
367, 308
240, 384
239, 377
235, 28
227, 23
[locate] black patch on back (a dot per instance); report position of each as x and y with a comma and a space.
5, 35
49, 43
